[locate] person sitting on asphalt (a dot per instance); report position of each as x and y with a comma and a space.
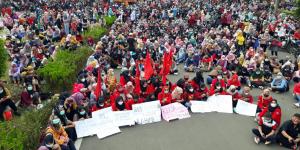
279, 83
59, 134
275, 111
265, 132
246, 95
296, 93
49, 143
287, 135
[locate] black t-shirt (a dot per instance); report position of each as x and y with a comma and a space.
289, 128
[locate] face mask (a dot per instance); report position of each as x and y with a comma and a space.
246, 93
257, 72
62, 112
191, 90
1, 91
273, 104
49, 145
218, 87
120, 102
219, 77
166, 91
82, 80
101, 105
56, 121
82, 112
29, 88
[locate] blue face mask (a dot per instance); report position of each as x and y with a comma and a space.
56, 121
62, 112
82, 112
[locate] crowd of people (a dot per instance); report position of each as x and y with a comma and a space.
229, 41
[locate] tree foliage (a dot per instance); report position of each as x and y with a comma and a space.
3, 58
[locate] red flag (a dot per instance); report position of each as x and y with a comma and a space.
99, 85
137, 89
167, 64
148, 67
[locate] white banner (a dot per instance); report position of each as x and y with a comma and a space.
87, 127
174, 111
106, 130
105, 113
245, 108
148, 112
123, 118
219, 103
200, 107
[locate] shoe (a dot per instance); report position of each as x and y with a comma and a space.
256, 140
267, 142
297, 105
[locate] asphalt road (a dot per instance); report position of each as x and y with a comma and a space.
209, 131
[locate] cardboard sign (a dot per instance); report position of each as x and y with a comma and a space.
224, 103
123, 118
219, 103
105, 113
174, 111
148, 112
245, 108
107, 129
87, 127
200, 107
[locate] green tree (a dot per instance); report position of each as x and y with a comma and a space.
3, 58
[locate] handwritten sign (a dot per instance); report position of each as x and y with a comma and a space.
105, 113
123, 118
200, 107
87, 127
148, 112
224, 103
174, 111
245, 108
107, 129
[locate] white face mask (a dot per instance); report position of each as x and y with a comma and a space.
62, 112
82, 112
218, 87
191, 90
219, 77
273, 104
82, 80
120, 102
29, 88
246, 93
1, 91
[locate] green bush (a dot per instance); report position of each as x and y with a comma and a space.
109, 20
23, 133
3, 58
95, 32
61, 72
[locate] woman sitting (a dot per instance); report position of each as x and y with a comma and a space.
266, 130
279, 83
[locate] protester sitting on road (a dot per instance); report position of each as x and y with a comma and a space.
279, 84
264, 100
265, 132
296, 93
5, 101
257, 78
246, 95
49, 143
275, 111
287, 135
59, 134
68, 125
